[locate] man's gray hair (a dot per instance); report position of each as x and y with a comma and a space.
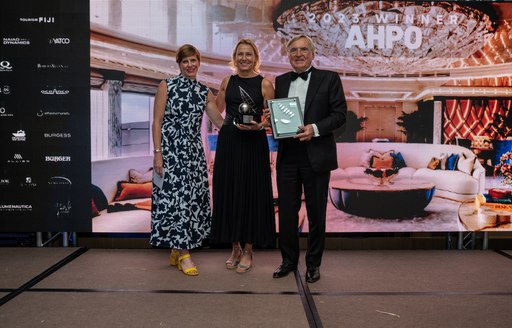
302, 36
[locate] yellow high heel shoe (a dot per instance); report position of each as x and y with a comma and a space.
192, 271
174, 257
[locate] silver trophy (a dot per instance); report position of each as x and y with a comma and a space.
247, 109
246, 113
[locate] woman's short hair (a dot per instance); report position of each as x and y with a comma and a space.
251, 43
187, 50
301, 36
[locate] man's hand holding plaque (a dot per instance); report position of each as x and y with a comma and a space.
285, 116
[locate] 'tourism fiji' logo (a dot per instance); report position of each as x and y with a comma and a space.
59, 41
40, 19
5, 66
55, 91
20, 135
16, 41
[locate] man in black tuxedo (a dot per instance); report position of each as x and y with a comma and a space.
305, 161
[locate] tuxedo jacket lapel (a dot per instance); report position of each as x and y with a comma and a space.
287, 80
314, 84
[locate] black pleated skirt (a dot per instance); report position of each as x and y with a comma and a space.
243, 210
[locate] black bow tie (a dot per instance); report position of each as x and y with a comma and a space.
303, 75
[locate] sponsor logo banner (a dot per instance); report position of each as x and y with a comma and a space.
59, 41
16, 41
5, 89
59, 158
5, 113
28, 182
43, 113
19, 135
18, 158
55, 91
57, 135
52, 66
5, 66
15, 207
40, 19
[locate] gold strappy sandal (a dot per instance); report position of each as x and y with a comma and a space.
234, 259
243, 268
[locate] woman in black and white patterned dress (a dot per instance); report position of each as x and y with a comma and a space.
181, 214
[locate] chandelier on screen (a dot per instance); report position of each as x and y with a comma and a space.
388, 37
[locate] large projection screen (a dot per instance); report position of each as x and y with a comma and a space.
428, 88
424, 80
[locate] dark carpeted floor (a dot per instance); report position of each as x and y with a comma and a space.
76, 287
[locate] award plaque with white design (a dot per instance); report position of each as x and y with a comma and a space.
285, 117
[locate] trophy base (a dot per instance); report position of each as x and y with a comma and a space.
247, 119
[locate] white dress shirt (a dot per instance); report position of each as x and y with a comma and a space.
299, 88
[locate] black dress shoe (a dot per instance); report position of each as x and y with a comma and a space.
313, 274
283, 270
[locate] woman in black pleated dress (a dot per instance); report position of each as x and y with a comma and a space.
243, 212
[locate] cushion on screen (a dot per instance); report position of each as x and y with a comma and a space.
382, 163
367, 156
500, 193
398, 160
451, 162
483, 142
465, 164
127, 190
442, 161
434, 163
136, 176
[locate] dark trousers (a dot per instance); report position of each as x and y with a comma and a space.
295, 175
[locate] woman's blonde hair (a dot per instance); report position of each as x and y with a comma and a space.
187, 50
251, 43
